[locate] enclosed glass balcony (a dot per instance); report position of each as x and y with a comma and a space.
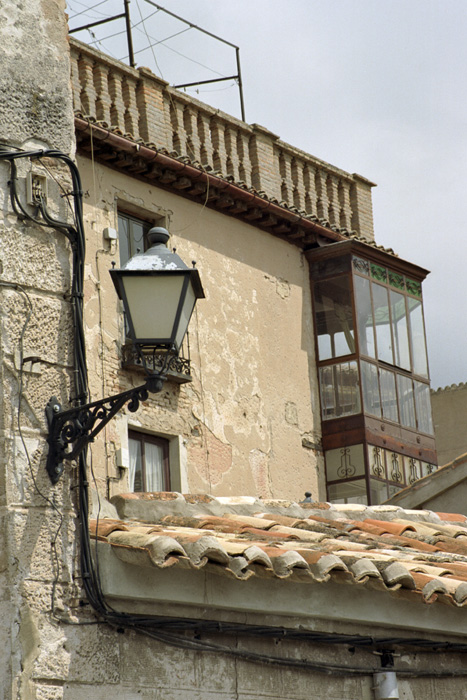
373, 371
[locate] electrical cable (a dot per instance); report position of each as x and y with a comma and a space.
88, 9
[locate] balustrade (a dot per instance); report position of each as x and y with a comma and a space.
144, 108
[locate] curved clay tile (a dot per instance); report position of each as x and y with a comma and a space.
104, 527
392, 528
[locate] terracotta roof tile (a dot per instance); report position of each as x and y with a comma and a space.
418, 555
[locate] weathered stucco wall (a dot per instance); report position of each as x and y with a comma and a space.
249, 421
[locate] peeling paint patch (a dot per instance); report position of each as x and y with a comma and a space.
282, 288
259, 468
291, 413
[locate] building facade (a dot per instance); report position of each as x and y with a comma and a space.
304, 370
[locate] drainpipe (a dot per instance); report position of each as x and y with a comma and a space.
385, 681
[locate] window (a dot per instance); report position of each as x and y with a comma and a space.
149, 463
132, 236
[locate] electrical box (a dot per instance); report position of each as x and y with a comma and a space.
110, 234
36, 188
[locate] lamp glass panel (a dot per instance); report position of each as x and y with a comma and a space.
153, 302
187, 310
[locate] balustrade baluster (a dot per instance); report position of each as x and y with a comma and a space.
117, 108
88, 92
103, 100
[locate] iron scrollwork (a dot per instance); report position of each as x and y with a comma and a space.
71, 430
377, 467
347, 468
396, 474
154, 360
413, 470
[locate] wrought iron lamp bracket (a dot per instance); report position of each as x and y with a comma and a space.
72, 429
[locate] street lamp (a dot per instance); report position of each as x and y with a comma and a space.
159, 293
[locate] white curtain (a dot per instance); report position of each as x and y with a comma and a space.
135, 461
154, 457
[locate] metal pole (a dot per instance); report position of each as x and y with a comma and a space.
131, 56
240, 85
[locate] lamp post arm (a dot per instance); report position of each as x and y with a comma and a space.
71, 430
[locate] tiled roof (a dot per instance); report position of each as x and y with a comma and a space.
421, 555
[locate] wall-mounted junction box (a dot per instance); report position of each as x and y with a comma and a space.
36, 188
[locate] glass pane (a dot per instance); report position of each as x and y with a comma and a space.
382, 323
154, 467
366, 334
340, 394
344, 462
334, 322
348, 492
388, 395
137, 230
378, 491
392, 490
417, 333
406, 401
135, 476
423, 406
328, 268
123, 239
370, 389
377, 461
400, 331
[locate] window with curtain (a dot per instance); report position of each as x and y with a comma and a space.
149, 463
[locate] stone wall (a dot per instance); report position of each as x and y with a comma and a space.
36, 112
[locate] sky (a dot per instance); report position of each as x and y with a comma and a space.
375, 87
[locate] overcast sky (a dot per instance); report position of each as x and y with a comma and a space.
376, 87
